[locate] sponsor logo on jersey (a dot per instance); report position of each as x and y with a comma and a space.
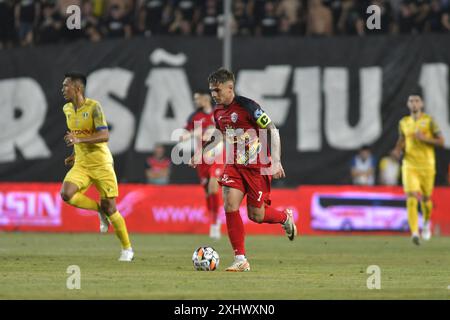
85, 115
84, 131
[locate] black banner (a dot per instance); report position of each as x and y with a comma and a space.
328, 97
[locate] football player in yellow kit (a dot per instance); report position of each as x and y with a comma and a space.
91, 161
418, 136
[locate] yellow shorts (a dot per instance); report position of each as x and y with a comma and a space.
418, 180
103, 177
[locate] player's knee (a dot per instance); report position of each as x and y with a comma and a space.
229, 208
256, 216
213, 188
412, 195
107, 208
66, 196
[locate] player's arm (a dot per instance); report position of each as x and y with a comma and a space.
101, 135
190, 127
212, 142
186, 136
70, 160
276, 151
400, 145
263, 121
437, 140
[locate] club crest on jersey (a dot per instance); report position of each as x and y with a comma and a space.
234, 117
85, 115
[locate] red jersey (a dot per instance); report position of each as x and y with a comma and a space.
157, 164
239, 123
206, 120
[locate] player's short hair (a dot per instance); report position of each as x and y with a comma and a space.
201, 92
76, 76
221, 75
415, 93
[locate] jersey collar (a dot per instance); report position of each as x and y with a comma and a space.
82, 106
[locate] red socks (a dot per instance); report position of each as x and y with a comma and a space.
236, 232
274, 216
212, 202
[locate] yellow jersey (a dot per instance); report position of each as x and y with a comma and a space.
418, 154
88, 119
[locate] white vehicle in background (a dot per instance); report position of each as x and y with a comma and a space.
359, 211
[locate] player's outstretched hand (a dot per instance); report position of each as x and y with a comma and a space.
278, 171
70, 139
69, 161
194, 161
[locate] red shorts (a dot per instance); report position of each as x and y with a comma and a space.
250, 182
206, 171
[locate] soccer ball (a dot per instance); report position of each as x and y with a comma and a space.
205, 259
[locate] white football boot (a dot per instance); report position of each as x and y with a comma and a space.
426, 231
289, 225
104, 222
239, 265
126, 255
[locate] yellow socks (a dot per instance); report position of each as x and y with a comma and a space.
79, 200
413, 215
426, 206
121, 229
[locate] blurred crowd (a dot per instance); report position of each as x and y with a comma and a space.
28, 22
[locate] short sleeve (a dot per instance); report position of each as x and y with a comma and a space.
256, 112
99, 118
434, 127
400, 130
190, 123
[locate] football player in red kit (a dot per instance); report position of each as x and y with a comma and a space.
250, 165
208, 174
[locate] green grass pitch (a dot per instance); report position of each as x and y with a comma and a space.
34, 265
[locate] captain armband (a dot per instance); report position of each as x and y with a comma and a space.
263, 121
